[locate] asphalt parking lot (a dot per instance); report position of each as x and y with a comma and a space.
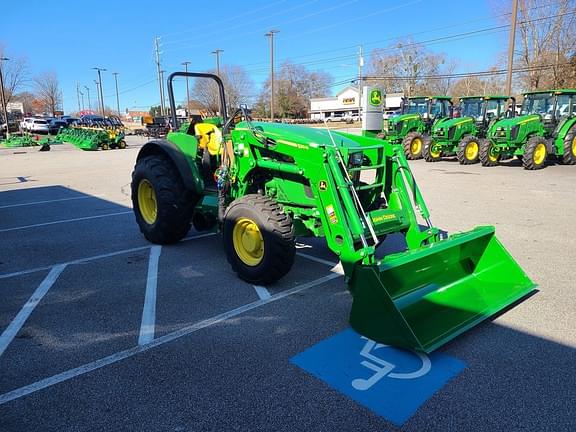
101, 330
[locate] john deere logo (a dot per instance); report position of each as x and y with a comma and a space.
375, 97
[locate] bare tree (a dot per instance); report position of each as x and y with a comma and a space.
294, 86
14, 74
237, 85
406, 66
48, 92
546, 41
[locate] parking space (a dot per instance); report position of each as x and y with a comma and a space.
100, 330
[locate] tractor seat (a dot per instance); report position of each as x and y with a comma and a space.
209, 136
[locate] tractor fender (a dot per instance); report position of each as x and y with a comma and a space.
186, 168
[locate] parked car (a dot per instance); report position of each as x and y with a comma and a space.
55, 125
25, 123
38, 126
335, 118
68, 119
391, 113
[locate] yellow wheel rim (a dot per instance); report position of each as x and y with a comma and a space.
539, 154
491, 156
574, 146
248, 242
435, 154
416, 146
472, 150
147, 201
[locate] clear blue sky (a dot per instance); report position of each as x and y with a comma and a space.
71, 37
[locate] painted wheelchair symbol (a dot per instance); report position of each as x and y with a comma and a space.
382, 368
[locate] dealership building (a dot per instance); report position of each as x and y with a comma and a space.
346, 102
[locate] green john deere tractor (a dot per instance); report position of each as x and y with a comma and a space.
263, 184
545, 130
412, 128
461, 136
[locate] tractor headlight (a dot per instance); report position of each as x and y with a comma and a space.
356, 159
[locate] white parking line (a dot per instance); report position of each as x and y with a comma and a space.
149, 312
114, 358
93, 258
263, 293
64, 221
17, 323
49, 201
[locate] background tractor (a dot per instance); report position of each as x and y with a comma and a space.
263, 184
413, 126
545, 129
461, 136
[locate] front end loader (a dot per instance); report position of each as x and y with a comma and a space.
461, 136
545, 130
264, 184
411, 129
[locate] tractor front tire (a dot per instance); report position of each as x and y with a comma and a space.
162, 205
535, 153
259, 239
413, 144
487, 158
468, 152
428, 154
569, 156
121, 144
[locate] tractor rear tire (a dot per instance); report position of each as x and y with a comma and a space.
105, 146
535, 153
569, 156
162, 205
468, 152
428, 154
485, 154
259, 239
413, 144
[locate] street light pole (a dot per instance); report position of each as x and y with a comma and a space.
98, 92
217, 53
88, 91
185, 64
99, 70
117, 97
82, 98
163, 99
4, 107
270, 35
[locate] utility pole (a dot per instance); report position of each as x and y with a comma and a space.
89, 103
117, 98
81, 97
217, 53
78, 94
160, 81
163, 101
270, 35
185, 64
99, 70
360, 66
511, 41
4, 107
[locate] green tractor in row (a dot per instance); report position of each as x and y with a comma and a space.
418, 117
545, 130
461, 137
262, 184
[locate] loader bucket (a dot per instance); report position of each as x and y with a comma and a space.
423, 298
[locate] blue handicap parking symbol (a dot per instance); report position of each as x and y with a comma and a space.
392, 382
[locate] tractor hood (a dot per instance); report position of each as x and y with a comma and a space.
402, 117
511, 122
299, 135
447, 123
